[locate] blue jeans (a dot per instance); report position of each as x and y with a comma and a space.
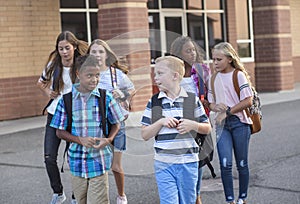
234, 136
176, 182
51, 145
199, 182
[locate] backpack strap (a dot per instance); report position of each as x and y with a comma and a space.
237, 87
102, 108
201, 84
68, 107
54, 85
212, 85
113, 76
156, 108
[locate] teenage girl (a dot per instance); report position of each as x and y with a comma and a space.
189, 51
232, 123
114, 79
56, 80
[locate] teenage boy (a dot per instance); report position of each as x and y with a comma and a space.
89, 154
176, 152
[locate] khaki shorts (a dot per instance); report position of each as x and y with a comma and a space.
91, 190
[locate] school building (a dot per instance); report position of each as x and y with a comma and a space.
265, 33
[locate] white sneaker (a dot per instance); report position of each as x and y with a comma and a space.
240, 201
58, 199
73, 201
121, 199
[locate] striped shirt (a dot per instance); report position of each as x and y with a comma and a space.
169, 145
86, 121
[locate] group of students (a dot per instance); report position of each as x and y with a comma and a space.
81, 69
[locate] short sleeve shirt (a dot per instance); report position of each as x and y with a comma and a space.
86, 121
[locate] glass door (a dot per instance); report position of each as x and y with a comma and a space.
172, 26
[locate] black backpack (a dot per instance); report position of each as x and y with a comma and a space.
102, 110
205, 142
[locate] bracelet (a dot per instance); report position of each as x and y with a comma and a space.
228, 113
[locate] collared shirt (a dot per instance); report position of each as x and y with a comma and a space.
170, 146
86, 121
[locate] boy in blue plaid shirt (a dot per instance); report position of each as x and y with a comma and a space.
89, 154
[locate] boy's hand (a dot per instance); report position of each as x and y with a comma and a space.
100, 142
170, 122
186, 125
87, 141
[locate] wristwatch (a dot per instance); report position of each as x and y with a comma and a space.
228, 113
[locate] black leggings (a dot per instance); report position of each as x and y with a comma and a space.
51, 146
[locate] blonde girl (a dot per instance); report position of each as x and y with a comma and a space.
232, 123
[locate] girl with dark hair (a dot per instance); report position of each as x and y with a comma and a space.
56, 80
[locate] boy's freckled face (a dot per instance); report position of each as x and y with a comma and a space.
163, 76
88, 78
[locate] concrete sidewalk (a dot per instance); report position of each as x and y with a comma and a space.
13, 126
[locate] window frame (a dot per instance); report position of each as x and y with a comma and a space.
87, 10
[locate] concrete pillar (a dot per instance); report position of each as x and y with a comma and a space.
124, 25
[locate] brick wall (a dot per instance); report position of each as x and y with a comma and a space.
273, 45
28, 32
295, 28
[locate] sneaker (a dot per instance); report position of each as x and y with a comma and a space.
73, 201
58, 199
121, 199
240, 201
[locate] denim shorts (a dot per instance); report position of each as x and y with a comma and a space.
120, 139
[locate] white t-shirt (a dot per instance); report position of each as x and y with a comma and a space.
67, 88
188, 84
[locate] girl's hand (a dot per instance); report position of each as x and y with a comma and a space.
117, 93
53, 94
220, 107
220, 117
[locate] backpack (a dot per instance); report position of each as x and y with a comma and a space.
102, 110
205, 142
254, 111
54, 84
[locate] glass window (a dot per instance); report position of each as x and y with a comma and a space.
244, 49
155, 36
173, 27
94, 25
80, 17
243, 29
76, 23
194, 4
72, 4
196, 28
93, 4
152, 4
171, 4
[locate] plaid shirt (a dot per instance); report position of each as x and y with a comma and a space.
86, 121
